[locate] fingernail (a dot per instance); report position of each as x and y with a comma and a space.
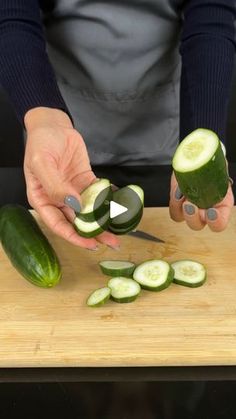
189, 209
178, 194
73, 203
114, 247
92, 248
231, 181
211, 214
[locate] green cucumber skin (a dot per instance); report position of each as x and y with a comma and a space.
189, 285
98, 212
168, 282
207, 185
127, 272
125, 300
92, 233
126, 225
121, 221
27, 247
121, 231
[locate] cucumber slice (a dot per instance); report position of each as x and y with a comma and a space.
99, 297
93, 228
189, 273
154, 275
117, 267
120, 231
124, 290
132, 197
95, 198
200, 168
138, 190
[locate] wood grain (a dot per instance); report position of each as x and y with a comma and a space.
178, 326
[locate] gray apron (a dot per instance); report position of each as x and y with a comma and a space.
118, 68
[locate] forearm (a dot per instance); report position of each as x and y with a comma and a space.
25, 71
207, 49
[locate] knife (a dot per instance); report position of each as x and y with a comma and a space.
146, 236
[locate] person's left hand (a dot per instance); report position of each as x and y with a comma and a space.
216, 218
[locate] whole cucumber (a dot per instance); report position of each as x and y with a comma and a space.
200, 168
27, 247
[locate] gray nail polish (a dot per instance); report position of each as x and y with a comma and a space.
73, 203
189, 209
178, 194
212, 214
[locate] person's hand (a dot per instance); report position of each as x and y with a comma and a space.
216, 218
57, 166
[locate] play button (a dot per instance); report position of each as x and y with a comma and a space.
116, 209
124, 207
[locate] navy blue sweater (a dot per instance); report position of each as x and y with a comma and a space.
207, 48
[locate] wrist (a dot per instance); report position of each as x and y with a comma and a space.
37, 117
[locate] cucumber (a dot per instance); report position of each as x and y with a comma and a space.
117, 268
154, 275
95, 200
120, 231
131, 197
123, 290
99, 297
27, 247
200, 168
189, 273
138, 190
93, 228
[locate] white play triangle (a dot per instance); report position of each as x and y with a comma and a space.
116, 209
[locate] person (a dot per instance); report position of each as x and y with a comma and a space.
98, 83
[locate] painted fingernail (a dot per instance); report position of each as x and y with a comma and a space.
189, 209
178, 194
73, 203
211, 214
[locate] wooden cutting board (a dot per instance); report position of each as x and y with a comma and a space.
178, 326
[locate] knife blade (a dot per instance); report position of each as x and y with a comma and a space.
145, 236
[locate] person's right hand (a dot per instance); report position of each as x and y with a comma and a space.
217, 217
56, 165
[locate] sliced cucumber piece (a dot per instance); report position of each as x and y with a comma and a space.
200, 168
117, 267
95, 200
93, 228
138, 191
154, 275
131, 197
99, 297
120, 231
124, 290
189, 273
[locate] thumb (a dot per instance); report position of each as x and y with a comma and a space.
61, 191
